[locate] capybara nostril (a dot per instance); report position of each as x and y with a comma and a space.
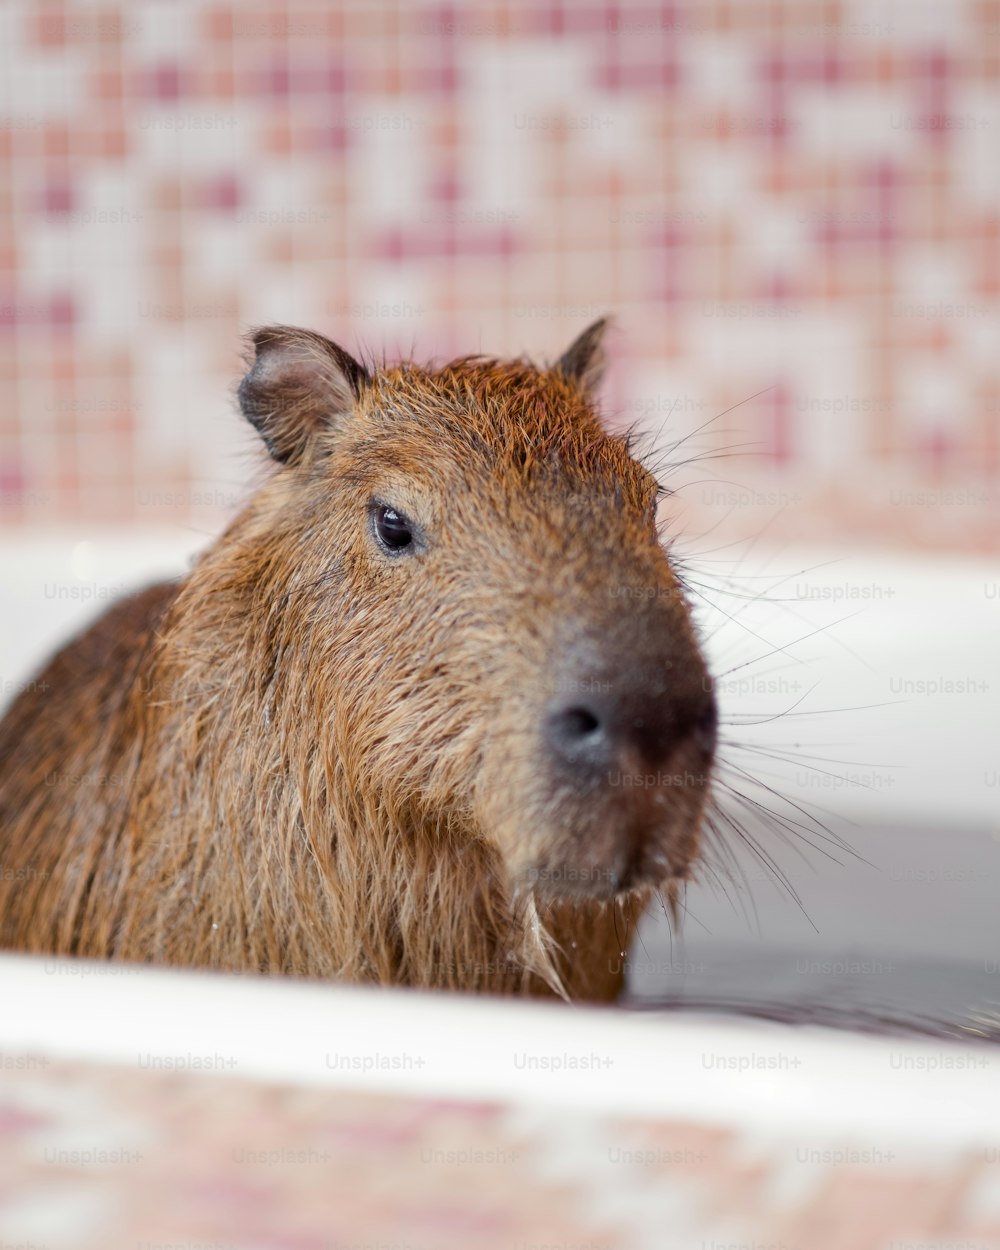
622, 722
576, 734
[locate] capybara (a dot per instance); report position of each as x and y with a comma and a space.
430, 712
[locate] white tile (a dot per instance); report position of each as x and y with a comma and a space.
982, 1203
69, 1215
913, 25
195, 138
975, 143
163, 31
523, 89
44, 85
392, 162
932, 395
863, 123
719, 70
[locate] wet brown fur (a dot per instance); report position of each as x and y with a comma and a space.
307, 757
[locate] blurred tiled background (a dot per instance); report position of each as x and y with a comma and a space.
800, 199
102, 1158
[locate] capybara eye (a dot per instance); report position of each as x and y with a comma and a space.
392, 528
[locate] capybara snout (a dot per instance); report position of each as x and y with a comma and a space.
607, 792
429, 712
635, 739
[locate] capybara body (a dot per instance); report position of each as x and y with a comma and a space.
430, 712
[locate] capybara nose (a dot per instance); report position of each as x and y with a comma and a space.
598, 730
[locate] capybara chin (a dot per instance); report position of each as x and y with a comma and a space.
430, 712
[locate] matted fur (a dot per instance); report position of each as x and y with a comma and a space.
310, 757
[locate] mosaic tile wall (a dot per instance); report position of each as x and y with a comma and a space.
797, 202
106, 1158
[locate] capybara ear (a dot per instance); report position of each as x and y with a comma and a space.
584, 360
298, 383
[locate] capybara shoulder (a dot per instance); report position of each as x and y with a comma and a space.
67, 744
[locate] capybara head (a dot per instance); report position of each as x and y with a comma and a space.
491, 634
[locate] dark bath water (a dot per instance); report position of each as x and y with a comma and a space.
906, 943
